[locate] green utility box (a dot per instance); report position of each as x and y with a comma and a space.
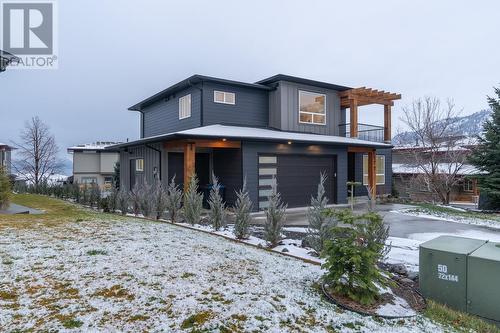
483, 282
443, 269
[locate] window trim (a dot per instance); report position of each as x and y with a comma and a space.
141, 169
376, 173
188, 96
468, 181
225, 93
312, 113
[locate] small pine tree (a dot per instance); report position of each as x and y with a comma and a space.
135, 199
116, 175
160, 199
5, 190
217, 214
275, 217
123, 200
352, 253
487, 156
94, 195
193, 201
319, 222
112, 199
174, 200
242, 209
147, 200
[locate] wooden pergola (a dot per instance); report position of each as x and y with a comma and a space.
353, 98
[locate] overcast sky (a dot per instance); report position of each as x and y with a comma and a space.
115, 53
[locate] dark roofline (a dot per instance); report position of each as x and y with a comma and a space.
189, 82
289, 78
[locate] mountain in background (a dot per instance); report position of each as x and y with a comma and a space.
470, 125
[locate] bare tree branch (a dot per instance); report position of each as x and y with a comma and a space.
439, 152
37, 151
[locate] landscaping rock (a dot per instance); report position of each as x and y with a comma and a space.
413, 276
398, 269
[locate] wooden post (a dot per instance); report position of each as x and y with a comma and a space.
354, 118
372, 174
189, 162
387, 123
475, 190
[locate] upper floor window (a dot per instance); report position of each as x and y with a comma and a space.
224, 97
185, 107
312, 108
380, 169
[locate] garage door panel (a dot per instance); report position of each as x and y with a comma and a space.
298, 178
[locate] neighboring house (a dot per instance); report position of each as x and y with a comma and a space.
93, 164
6, 59
406, 182
285, 127
5, 157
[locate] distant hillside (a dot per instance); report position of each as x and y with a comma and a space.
467, 125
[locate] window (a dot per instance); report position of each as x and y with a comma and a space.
89, 180
224, 97
108, 182
185, 107
380, 169
312, 108
468, 185
139, 164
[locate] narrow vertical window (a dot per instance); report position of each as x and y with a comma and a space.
185, 107
380, 170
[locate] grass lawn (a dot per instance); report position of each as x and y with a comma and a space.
455, 212
74, 269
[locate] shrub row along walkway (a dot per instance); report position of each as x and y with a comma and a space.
138, 275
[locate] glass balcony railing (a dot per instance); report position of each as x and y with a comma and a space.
365, 132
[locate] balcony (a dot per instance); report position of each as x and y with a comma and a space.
365, 132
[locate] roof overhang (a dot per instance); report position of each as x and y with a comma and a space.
254, 134
193, 80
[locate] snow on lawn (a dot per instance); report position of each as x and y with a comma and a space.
137, 275
424, 213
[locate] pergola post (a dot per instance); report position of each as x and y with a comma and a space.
387, 123
353, 106
189, 162
372, 174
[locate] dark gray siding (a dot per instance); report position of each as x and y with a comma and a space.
381, 189
251, 150
284, 110
251, 107
151, 160
227, 166
163, 116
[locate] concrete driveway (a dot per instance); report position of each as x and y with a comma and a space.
402, 226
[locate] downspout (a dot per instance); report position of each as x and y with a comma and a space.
159, 160
201, 99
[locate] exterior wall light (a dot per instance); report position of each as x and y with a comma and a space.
289, 142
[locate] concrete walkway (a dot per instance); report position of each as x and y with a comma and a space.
400, 225
18, 209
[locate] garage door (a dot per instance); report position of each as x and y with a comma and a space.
298, 178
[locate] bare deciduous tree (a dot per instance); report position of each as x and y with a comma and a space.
439, 154
37, 151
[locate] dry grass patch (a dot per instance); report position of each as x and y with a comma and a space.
115, 291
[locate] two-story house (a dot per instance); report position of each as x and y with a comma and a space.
285, 127
92, 163
5, 157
